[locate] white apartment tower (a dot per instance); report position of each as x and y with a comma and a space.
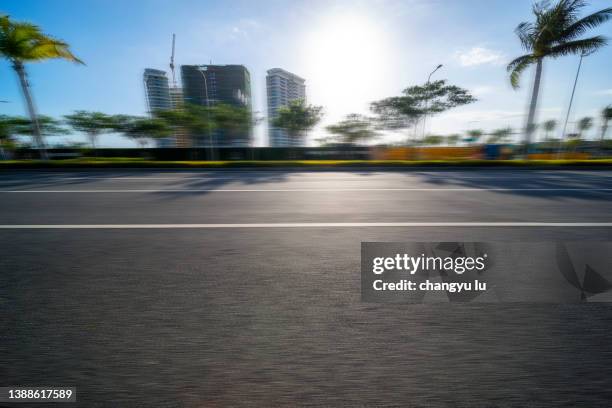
282, 87
157, 91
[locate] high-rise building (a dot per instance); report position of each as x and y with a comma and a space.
282, 87
156, 90
208, 85
157, 94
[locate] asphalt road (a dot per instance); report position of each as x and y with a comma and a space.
244, 289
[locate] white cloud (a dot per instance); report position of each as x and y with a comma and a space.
479, 56
604, 92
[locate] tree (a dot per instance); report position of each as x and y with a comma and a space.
353, 129
549, 126
21, 43
6, 133
474, 135
584, 124
417, 101
91, 123
433, 140
297, 118
196, 120
7, 126
235, 122
141, 129
500, 135
606, 116
452, 140
47, 126
555, 33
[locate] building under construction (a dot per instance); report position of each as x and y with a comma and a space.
208, 85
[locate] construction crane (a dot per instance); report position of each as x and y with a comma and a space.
172, 62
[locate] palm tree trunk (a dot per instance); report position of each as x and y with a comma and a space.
529, 128
604, 130
25, 87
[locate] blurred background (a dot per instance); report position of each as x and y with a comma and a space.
383, 73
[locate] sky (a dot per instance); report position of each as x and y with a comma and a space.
350, 52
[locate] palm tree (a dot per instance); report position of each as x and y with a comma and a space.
606, 116
549, 126
24, 42
555, 33
584, 124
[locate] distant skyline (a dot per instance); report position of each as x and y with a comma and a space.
350, 53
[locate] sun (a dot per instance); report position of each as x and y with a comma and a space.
345, 62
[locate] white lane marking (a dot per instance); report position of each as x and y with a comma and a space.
289, 190
323, 176
296, 177
308, 225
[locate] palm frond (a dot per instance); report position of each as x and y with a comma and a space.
526, 34
24, 42
573, 7
50, 48
4, 23
584, 24
517, 66
25, 31
583, 46
540, 7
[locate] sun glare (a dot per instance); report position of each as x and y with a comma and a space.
345, 59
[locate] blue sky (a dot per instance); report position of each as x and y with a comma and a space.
350, 52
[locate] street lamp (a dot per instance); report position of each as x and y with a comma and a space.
427, 100
432, 72
210, 140
569, 108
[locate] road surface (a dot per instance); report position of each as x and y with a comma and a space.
229, 288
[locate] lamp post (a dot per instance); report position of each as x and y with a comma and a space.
210, 140
569, 108
427, 99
